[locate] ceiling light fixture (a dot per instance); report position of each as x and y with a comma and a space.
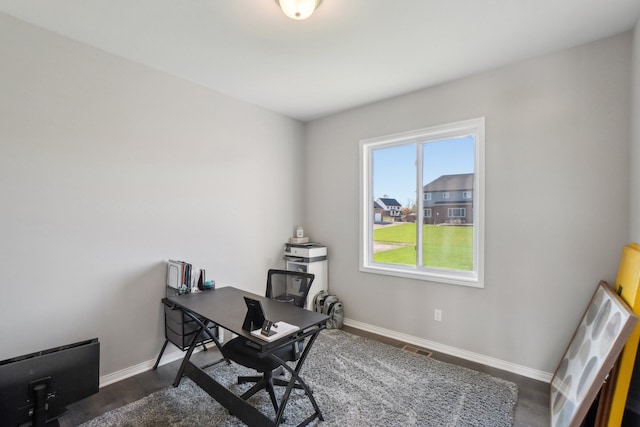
298, 9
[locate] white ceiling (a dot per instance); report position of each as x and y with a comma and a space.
349, 53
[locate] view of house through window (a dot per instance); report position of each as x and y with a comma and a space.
423, 191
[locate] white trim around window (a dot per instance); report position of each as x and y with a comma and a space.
473, 277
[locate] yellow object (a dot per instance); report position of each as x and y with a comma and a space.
627, 286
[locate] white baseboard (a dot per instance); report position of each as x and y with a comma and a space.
167, 357
453, 351
536, 374
139, 368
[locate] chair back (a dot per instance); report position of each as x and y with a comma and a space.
289, 286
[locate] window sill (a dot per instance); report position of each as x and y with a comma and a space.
469, 279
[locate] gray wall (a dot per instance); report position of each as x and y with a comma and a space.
107, 169
557, 202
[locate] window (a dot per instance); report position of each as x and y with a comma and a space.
437, 240
457, 212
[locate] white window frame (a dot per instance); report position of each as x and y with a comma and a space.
445, 194
461, 210
474, 278
466, 194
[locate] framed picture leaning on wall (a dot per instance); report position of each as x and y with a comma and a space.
605, 327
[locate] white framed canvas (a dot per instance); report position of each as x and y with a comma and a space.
605, 327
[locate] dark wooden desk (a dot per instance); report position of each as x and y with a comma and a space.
226, 308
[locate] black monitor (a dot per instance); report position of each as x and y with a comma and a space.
36, 388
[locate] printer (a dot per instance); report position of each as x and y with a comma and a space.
308, 258
305, 252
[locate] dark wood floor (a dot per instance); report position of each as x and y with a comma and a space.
532, 409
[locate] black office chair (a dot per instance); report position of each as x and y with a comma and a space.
289, 287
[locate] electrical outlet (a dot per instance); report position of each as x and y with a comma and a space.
437, 315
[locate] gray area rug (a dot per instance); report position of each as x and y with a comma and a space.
356, 382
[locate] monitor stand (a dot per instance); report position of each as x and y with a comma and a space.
40, 394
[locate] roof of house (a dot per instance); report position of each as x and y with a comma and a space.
463, 181
389, 202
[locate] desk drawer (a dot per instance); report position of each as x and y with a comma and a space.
180, 328
176, 315
180, 322
179, 340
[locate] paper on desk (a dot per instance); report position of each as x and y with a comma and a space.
283, 329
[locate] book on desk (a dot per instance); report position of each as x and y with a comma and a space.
281, 329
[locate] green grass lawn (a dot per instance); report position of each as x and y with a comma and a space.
447, 247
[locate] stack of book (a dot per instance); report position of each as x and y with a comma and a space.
182, 278
179, 277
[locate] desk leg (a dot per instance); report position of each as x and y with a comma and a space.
207, 331
164, 346
192, 346
295, 376
187, 356
236, 406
